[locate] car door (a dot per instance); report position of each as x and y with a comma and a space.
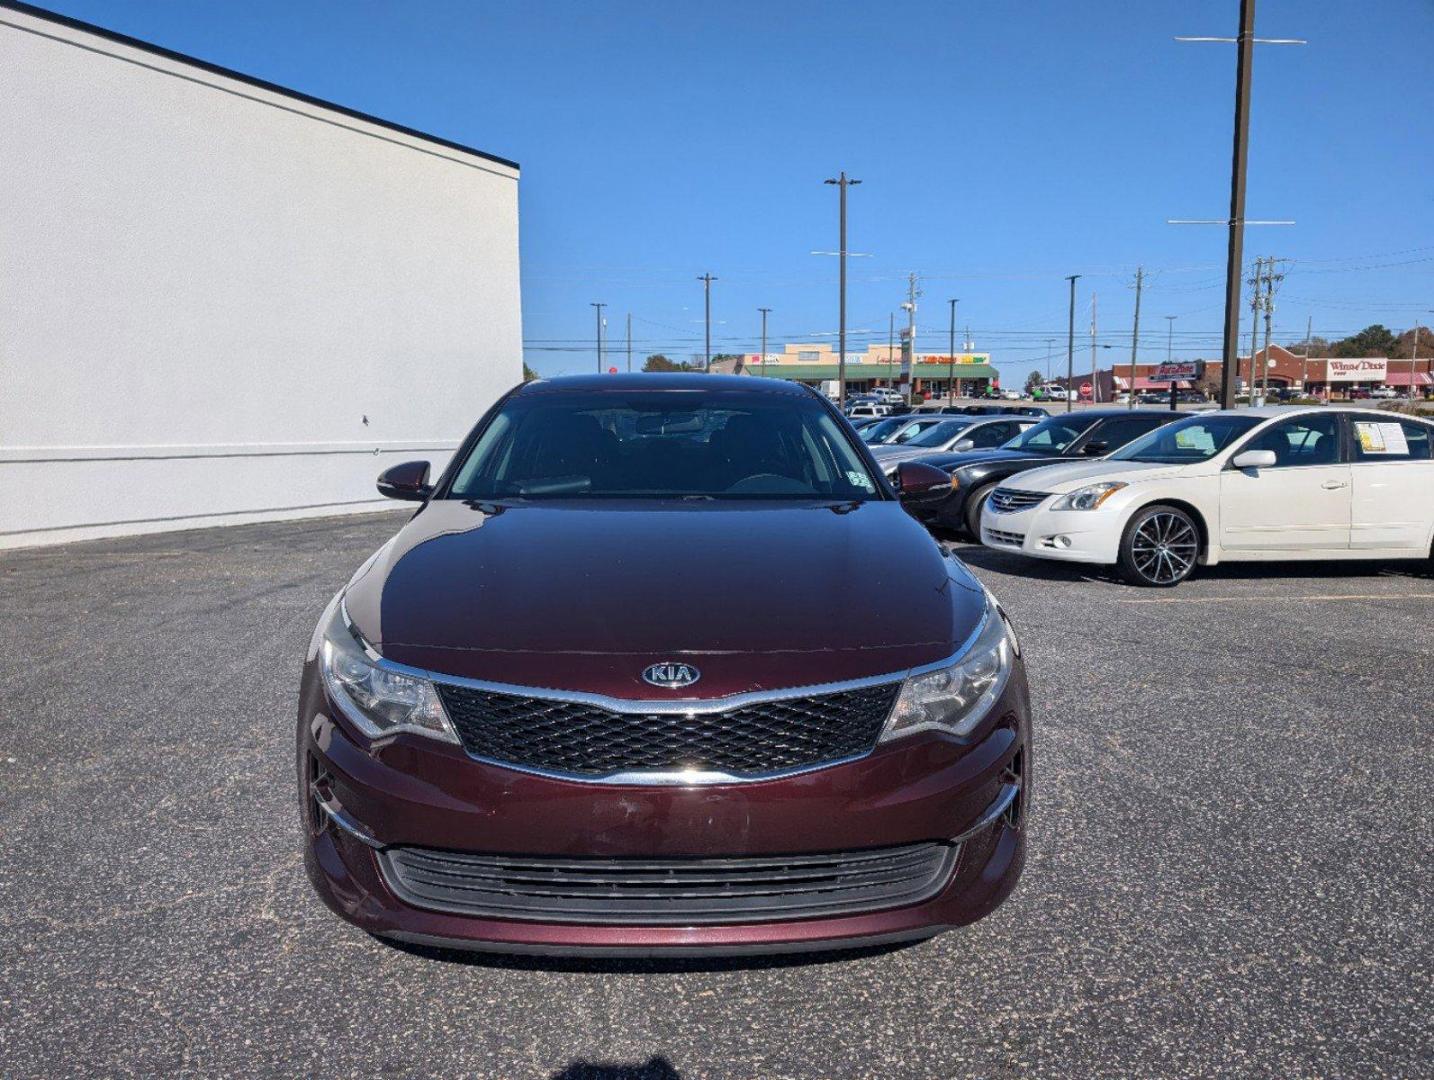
1392, 473
1302, 502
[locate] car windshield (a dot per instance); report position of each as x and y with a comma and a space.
663, 444
939, 434
1050, 436
1187, 441
882, 430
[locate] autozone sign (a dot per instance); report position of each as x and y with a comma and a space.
1179, 371
1376, 370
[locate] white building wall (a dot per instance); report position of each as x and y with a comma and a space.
219, 303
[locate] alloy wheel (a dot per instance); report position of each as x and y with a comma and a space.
1164, 547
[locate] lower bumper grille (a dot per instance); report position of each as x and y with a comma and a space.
667, 892
1000, 536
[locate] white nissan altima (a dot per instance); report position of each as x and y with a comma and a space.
1266, 484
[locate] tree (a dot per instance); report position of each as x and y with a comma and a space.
1318, 346
1375, 340
658, 362
1033, 380
1404, 345
528, 373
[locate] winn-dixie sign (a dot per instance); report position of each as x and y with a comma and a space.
1179, 371
1376, 370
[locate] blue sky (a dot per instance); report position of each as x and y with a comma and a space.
1001, 146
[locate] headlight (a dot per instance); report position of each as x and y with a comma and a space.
378, 701
955, 697
1088, 498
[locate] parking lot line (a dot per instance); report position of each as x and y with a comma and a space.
1263, 597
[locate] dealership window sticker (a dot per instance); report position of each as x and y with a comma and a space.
1380, 438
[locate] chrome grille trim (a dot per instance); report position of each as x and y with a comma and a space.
1006, 500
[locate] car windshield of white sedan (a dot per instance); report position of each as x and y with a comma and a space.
663, 445
1048, 437
1189, 441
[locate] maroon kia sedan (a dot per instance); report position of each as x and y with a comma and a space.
662, 665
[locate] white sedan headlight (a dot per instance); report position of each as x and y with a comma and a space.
955, 698
378, 701
1088, 498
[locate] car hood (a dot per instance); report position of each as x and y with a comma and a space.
950, 462
1076, 474
584, 597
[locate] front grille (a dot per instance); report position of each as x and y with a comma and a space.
1000, 536
665, 892
586, 740
1008, 500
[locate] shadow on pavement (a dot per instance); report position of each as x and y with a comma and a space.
654, 1068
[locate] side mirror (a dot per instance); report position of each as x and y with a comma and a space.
962, 446
1254, 459
407, 481
1095, 449
915, 481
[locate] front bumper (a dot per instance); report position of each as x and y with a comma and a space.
1078, 536
410, 791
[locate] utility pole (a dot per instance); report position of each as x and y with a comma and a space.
1257, 281
629, 343
1272, 280
1070, 344
707, 280
1094, 385
912, 292
1413, 357
765, 312
951, 360
1305, 368
842, 182
891, 350
598, 308
1234, 257
1170, 350
1134, 334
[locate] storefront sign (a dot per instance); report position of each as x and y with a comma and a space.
1366, 370
1179, 371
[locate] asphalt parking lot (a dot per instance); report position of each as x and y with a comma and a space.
1230, 871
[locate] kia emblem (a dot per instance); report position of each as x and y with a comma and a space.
671, 675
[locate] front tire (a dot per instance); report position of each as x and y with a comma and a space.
974, 505
1159, 547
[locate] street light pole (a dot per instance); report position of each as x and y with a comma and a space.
598, 308
765, 312
842, 182
1070, 343
951, 360
707, 280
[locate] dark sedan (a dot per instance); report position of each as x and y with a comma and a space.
977, 473
631, 680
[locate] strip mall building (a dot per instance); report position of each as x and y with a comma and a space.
879, 365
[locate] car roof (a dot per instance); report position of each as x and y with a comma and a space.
667, 380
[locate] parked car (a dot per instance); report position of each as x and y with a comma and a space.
889, 395
977, 473
529, 722
861, 423
873, 434
1254, 484
951, 433
1384, 392
1010, 395
868, 408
